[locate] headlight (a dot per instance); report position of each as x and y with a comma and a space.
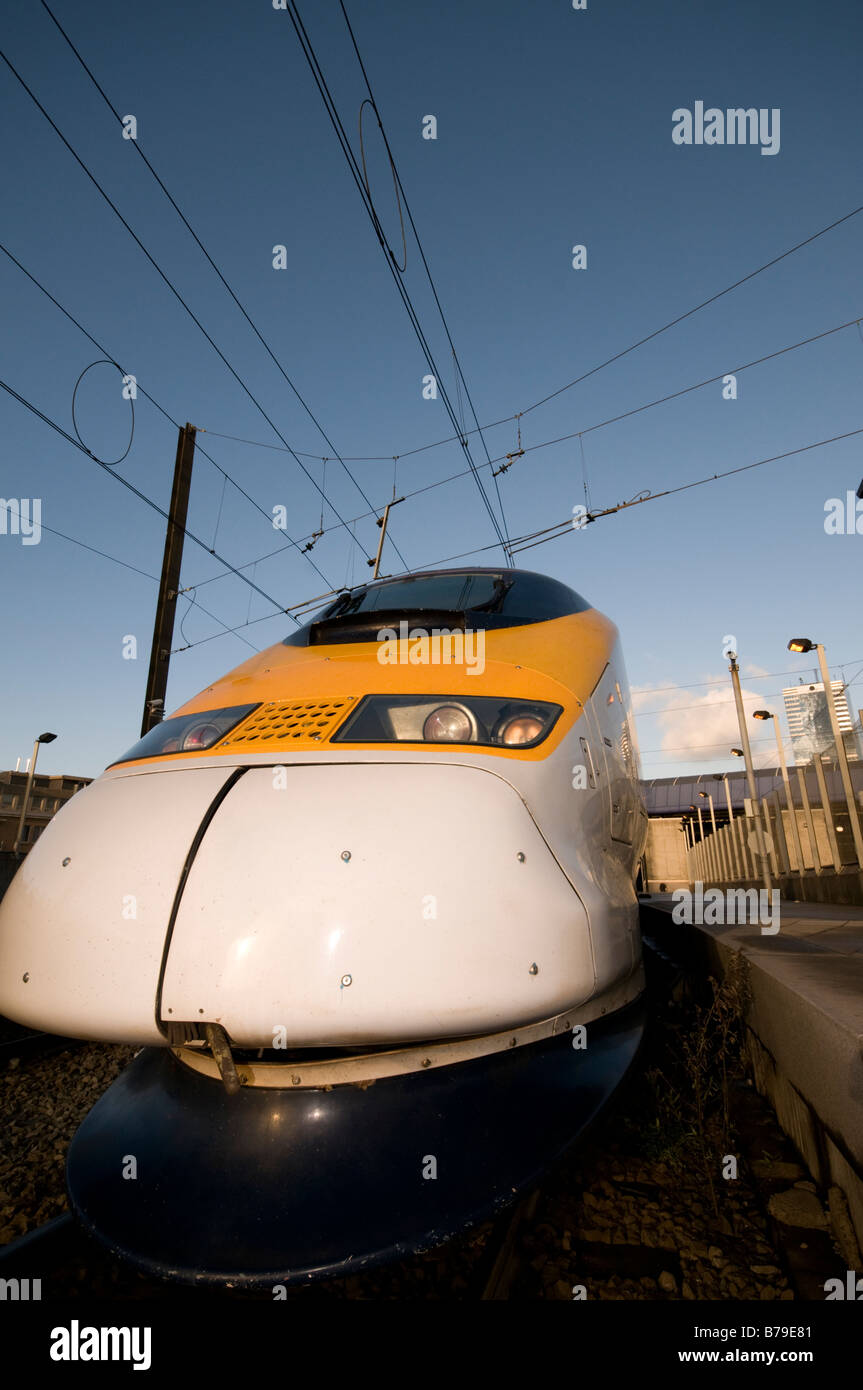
449, 724
202, 736
521, 729
484, 720
187, 733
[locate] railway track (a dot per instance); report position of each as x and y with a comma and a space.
27, 1046
507, 1252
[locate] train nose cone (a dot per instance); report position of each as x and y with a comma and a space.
342, 904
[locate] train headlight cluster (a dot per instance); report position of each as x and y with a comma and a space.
187, 733
485, 720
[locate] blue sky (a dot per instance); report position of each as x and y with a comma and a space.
554, 129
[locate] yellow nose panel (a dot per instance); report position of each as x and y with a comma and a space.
297, 723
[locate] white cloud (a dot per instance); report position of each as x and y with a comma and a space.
703, 722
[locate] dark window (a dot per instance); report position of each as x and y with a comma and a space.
483, 598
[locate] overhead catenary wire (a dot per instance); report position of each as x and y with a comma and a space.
652, 497
168, 282
675, 762
215, 267
574, 434
509, 419
791, 250
96, 551
715, 476
525, 410
292, 610
148, 396
697, 309
686, 390
757, 676
417, 491
336, 122
228, 631
530, 541
562, 528
103, 361
441, 482
124, 482
404, 198
704, 705
319, 598
695, 747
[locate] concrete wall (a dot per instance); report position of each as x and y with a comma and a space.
665, 855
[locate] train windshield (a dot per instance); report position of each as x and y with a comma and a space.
478, 598
451, 593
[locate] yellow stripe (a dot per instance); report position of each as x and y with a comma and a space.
559, 661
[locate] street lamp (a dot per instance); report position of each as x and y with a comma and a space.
798, 849
715, 844
804, 644
709, 798
19, 840
746, 753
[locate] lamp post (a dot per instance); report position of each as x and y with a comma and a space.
803, 644
808, 819
19, 840
746, 753
715, 843
697, 844
745, 848
798, 849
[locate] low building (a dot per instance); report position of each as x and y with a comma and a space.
47, 795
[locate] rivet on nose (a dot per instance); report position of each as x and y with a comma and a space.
520, 857
534, 969
346, 854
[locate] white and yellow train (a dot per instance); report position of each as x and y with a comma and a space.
368, 904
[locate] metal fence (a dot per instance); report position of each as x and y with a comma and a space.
803, 831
